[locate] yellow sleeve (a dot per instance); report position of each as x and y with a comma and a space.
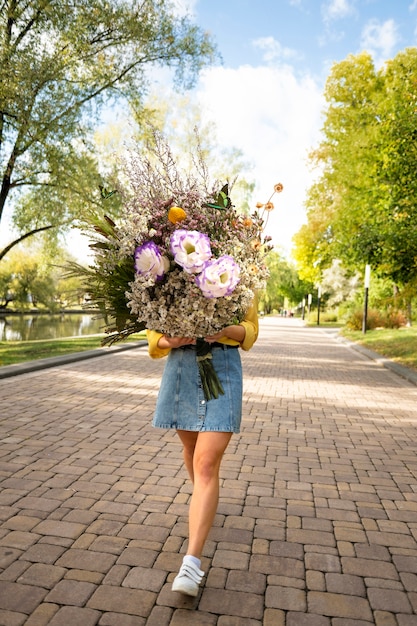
155, 352
251, 326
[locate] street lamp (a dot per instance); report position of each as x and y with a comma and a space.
318, 304
365, 305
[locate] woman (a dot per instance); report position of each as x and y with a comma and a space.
204, 427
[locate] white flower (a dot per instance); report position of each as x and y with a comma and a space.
219, 278
149, 262
191, 249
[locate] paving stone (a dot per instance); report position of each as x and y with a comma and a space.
231, 559
159, 616
409, 581
306, 619
72, 530
234, 603
20, 598
118, 619
10, 618
71, 592
19, 540
85, 576
14, 570
407, 620
311, 537
228, 620
276, 565
338, 605
322, 562
246, 581
182, 617
405, 563
315, 580
369, 567
42, 575
342, 621
346, 584
383, 618
145, 578
122, 600
75, 616
42, 615
274, 617
87, 559
389, 600
285, 598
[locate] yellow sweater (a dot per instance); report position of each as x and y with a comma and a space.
250, 324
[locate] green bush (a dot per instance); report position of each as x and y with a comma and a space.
329, 317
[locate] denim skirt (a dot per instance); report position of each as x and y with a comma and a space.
181, 404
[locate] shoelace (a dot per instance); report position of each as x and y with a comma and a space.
190, 572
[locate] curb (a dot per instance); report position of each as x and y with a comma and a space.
400, 370
33, 366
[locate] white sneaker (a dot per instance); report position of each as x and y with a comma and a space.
188, 578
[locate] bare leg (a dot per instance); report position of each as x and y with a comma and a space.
188, 440
206, 450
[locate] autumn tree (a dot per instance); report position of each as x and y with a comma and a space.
60, 62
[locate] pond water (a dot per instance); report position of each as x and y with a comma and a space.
32, 327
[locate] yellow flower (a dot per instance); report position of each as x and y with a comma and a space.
259, 205
255, 244
176, 214
278, 187
269, 206
247, 222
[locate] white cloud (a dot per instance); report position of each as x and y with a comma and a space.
380, 39
337, 9
274, 118
273, 50
413, 6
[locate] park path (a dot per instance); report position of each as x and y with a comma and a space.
317, 521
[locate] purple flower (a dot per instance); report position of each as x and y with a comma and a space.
149, 261
191, 249
219, 277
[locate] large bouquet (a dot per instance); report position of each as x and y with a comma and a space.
181, 259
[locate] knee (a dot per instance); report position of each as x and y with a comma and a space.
206, 467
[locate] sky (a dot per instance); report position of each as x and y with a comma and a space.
266, 96
276, 56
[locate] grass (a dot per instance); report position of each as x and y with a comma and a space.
13, 352
399, 345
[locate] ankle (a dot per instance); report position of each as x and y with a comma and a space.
193, 559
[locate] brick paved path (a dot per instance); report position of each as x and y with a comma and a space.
317, 523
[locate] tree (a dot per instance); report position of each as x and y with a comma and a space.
60, 62
363, 207
283, 286
28, 279
180, 119
338, 284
